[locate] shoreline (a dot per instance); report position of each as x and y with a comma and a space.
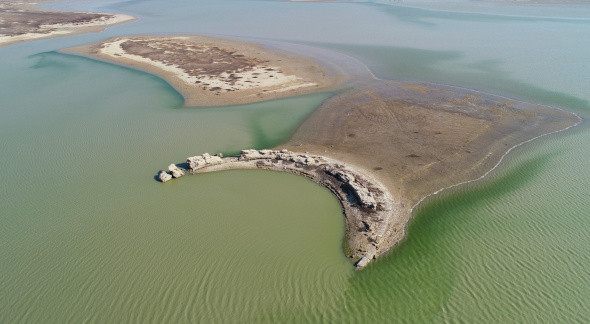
246, 73
484, 176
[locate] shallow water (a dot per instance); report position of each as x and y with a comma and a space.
88, 235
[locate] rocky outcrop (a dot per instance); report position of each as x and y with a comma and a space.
367, 205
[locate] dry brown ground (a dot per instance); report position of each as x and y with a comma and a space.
419, 138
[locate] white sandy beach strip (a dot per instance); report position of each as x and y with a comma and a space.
263, 77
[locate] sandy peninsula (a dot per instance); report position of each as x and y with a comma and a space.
384, 147
419, 139
216, 72
23, 21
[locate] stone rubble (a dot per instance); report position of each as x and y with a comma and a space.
270, 158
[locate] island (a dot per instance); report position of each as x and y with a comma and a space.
211, 71
22, 21
381, 146
384, 147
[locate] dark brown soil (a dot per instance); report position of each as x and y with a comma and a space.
196, 59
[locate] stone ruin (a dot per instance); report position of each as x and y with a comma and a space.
199, 161
352, 182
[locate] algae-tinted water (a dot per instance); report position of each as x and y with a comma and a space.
88, 235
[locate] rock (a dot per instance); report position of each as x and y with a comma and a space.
298, 159
362, 262
265, 163
199, 161
212, 159
250, 155
345, 177
363, 194
163, 176
195, 162
284, 156
175, 171
365, 197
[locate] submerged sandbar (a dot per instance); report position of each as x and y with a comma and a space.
215, 72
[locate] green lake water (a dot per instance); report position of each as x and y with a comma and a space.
86, 234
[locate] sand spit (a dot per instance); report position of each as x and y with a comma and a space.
21, 21
214, 72
368, 207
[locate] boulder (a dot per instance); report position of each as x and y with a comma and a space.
164, 176
175, 171
362, 262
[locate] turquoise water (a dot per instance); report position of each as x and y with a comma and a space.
88, 235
